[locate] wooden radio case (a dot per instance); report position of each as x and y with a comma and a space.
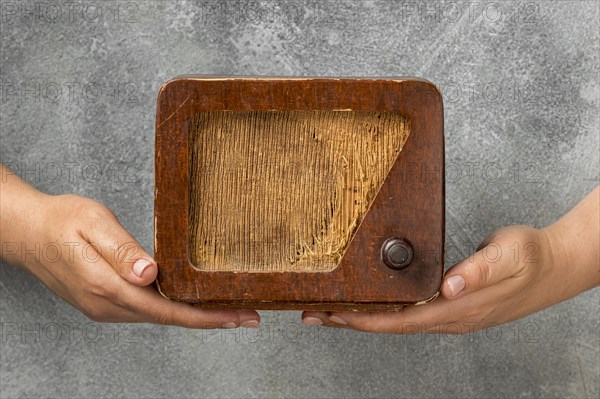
299, 193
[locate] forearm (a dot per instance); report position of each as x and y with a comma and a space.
20, 207
575, 241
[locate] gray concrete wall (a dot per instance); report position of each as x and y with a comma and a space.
520, 82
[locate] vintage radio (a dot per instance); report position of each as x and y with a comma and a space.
299, 193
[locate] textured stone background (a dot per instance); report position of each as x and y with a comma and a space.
521, 89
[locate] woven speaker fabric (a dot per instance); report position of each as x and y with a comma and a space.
284, 190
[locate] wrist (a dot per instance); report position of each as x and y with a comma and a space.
568, 265
22, 223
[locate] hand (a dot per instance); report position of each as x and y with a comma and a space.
517, 271
495, 285
78, 248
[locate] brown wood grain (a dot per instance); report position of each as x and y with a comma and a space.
282, 191
410, 203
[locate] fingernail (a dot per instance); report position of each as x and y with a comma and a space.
140, 265
456, 284
230, 324
250, 324
338, 320
312, 321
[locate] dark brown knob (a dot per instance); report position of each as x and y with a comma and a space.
396, 253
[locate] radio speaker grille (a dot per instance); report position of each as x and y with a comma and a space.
284, 191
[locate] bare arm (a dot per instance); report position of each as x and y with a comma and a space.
78, 248
519, 270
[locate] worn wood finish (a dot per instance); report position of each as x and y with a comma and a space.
410, 203
280, 191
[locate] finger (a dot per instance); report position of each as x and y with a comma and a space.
402, 322
125, 255
313, 318
441, 315
381, 322
484, 268
154, 308
147, 305
102, 308
107, 312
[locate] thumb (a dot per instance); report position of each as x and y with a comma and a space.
484, 268
120, 249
